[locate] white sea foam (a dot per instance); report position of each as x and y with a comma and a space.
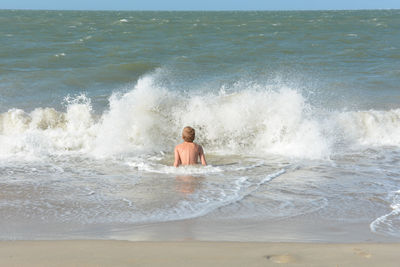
148, 119
161, 168
371, 128
60, 55
389, 224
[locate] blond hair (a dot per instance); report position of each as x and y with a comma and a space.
188, 134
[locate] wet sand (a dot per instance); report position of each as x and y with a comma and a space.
187, 253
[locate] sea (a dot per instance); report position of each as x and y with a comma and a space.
298, 113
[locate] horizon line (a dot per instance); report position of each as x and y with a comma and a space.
194, 10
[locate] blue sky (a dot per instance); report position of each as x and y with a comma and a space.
199, 5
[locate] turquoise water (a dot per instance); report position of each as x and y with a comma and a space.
337, 54
298, 113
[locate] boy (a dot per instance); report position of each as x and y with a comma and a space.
188, 152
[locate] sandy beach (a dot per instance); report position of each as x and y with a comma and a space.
126, 253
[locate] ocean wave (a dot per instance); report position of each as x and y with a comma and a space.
372, 127
149, 118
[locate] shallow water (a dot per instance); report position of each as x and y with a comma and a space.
297, 112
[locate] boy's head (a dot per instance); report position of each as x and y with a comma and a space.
188, 134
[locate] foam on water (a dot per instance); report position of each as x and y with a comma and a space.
144, 165
389, 224
372, 127
148, 119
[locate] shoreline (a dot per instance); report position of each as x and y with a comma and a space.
195, 253
299, 229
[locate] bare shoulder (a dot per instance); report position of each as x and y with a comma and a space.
199, 147
177, 147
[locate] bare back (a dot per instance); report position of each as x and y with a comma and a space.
188, 153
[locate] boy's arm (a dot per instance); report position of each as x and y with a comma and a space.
177, 161
202, 156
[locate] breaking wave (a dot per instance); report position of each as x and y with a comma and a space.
252, 120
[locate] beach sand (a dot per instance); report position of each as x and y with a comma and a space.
188, 253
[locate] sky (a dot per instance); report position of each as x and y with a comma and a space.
199, 5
